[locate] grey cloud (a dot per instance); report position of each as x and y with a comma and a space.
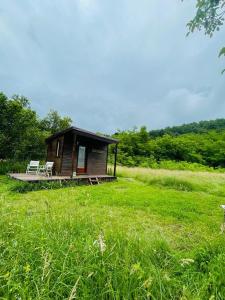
111, 64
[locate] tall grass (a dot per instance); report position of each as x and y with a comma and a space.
121, 240
208, 182
61, 258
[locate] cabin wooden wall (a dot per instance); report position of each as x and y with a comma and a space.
96, 155
97, 159
66, 165
51, 154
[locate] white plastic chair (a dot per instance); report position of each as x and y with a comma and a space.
33, 167
47, 168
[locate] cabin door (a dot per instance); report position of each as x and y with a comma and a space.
82, 160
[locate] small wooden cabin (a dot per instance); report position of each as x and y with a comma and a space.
79, 152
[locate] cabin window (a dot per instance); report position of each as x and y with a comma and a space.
81, 157
81, 160
58, 149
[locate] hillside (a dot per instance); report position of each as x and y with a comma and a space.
195, 127
152, 235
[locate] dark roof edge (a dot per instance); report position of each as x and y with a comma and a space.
83, 132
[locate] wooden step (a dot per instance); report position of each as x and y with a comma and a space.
93, 180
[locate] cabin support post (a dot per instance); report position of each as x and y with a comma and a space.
115, 159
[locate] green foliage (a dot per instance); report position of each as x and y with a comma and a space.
54, 123
205, 146
22, 133
222, 52
183, 165
195, 127
209, 17
24, 187
172, 182
12, 166
180, 180
121, 240
19, 133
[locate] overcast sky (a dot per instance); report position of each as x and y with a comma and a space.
111, 64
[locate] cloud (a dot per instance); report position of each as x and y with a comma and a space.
186, 101
87, 6
111, 65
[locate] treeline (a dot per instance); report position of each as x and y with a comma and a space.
22, 131
195, 127
140, 148
23, 134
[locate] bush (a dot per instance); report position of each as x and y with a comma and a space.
24, 187
147, 162
172, 183
12, 166
184, 165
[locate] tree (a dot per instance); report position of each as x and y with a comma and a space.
18, 127
53, 122
209, 17
195, 127
22, 133
202, 142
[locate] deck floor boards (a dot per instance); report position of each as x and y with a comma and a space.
37, 178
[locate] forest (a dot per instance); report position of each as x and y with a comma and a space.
202, 143
23, 133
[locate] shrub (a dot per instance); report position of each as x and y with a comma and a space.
173, 183
12, 166
24, 187
184, 165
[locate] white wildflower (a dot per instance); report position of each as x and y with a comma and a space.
166, 277
73, 292
46, 267
90, 274
147, 283
186, 261
101, 243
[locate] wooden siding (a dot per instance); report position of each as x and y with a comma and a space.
66, 165
96, 155
51, 154
97, 159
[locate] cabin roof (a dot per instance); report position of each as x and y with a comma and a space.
83, 132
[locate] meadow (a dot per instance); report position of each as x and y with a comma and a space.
153, 234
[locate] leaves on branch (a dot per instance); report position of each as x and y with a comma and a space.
222, 52
209, 17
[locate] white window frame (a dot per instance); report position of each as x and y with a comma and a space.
58, 148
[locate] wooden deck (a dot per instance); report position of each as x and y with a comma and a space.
38, 178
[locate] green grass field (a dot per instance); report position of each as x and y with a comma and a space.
154, 234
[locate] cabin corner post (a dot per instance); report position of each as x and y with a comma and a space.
61, 154
107, 157
115, 159
73, 153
